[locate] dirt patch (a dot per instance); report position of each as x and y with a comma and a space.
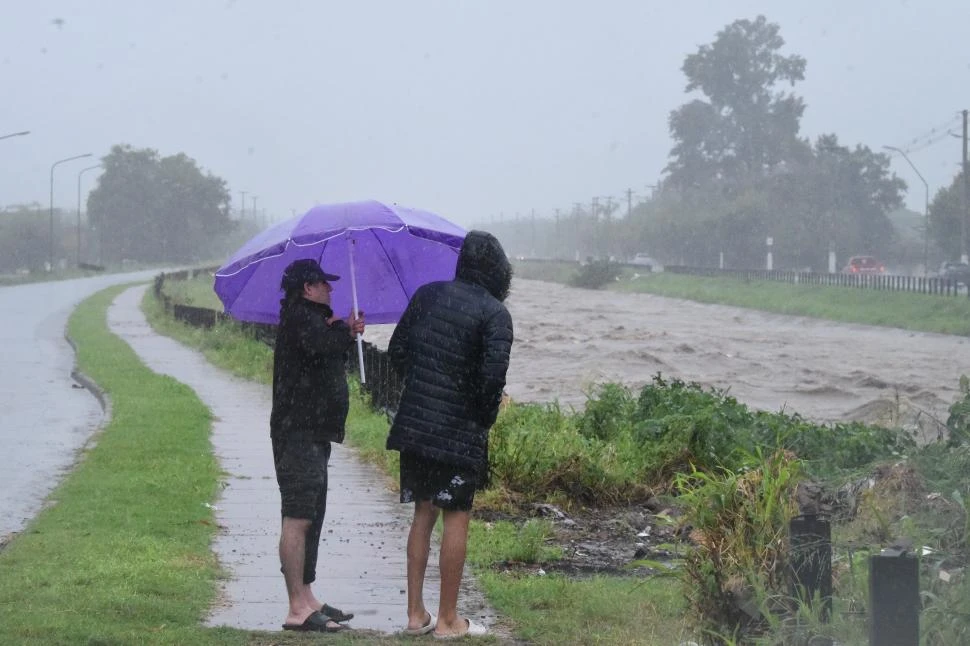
640, 540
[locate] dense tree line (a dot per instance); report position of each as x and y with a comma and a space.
151, 208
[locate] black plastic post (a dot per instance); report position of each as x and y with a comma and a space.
810, 561
893, 599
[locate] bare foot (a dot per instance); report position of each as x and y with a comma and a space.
420, 623
458, 629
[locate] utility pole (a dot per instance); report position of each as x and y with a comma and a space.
533, 233
965, 202
629, 202
577, 209
556, 254
242, 200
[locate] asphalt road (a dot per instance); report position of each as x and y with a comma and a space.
46, 416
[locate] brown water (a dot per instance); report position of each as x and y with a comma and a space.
567, 340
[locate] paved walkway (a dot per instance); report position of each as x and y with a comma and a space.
362, 552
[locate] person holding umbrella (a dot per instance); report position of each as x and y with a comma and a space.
452, 347
310, 406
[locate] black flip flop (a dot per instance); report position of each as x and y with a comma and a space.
336, 614
316, 623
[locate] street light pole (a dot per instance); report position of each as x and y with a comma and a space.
80, 173
51, 239
15, 134
926, 203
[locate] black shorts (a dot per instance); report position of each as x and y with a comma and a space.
447, 486
301, 472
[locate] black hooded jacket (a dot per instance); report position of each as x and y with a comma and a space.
452, 346
310, 396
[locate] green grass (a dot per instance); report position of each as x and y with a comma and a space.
196, 292
554, 609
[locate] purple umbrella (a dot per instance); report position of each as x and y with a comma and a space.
383, 251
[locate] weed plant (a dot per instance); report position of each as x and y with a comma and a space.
737, 572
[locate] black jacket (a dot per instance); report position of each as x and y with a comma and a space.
310, 396
452, 346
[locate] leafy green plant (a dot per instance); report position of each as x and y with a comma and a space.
610, 412
958, 423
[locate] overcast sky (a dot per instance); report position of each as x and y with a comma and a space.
469, 109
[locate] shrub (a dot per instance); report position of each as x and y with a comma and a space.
595, 274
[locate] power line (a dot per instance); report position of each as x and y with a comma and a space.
930, 142
931, 136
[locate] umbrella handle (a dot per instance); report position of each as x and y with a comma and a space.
353, 290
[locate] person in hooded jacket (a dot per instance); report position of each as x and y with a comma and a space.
310, 406
452, 347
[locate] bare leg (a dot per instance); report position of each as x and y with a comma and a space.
419, 545
293, 558
454, 541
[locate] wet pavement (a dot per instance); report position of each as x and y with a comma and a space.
362, 552
47, 416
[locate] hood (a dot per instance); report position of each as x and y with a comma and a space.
483, 261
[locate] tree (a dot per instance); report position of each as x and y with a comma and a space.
739, 173
157, 209
946, 224
23, 238
744, 127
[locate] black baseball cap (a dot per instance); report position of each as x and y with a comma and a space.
304, 271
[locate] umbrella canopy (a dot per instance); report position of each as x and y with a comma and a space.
394, 250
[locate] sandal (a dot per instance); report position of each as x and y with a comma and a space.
428, 626
317, 622
336, 614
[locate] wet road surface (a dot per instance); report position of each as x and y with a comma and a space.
362, 552
46, 415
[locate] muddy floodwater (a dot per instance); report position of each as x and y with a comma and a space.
568, 339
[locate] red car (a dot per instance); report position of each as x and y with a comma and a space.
864, 265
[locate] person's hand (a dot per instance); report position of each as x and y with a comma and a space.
356, 325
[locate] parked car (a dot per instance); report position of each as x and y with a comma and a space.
644, 260
958, 272
864, 265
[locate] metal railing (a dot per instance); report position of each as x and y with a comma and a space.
887, 282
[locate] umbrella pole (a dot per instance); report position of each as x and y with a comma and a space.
353, 289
